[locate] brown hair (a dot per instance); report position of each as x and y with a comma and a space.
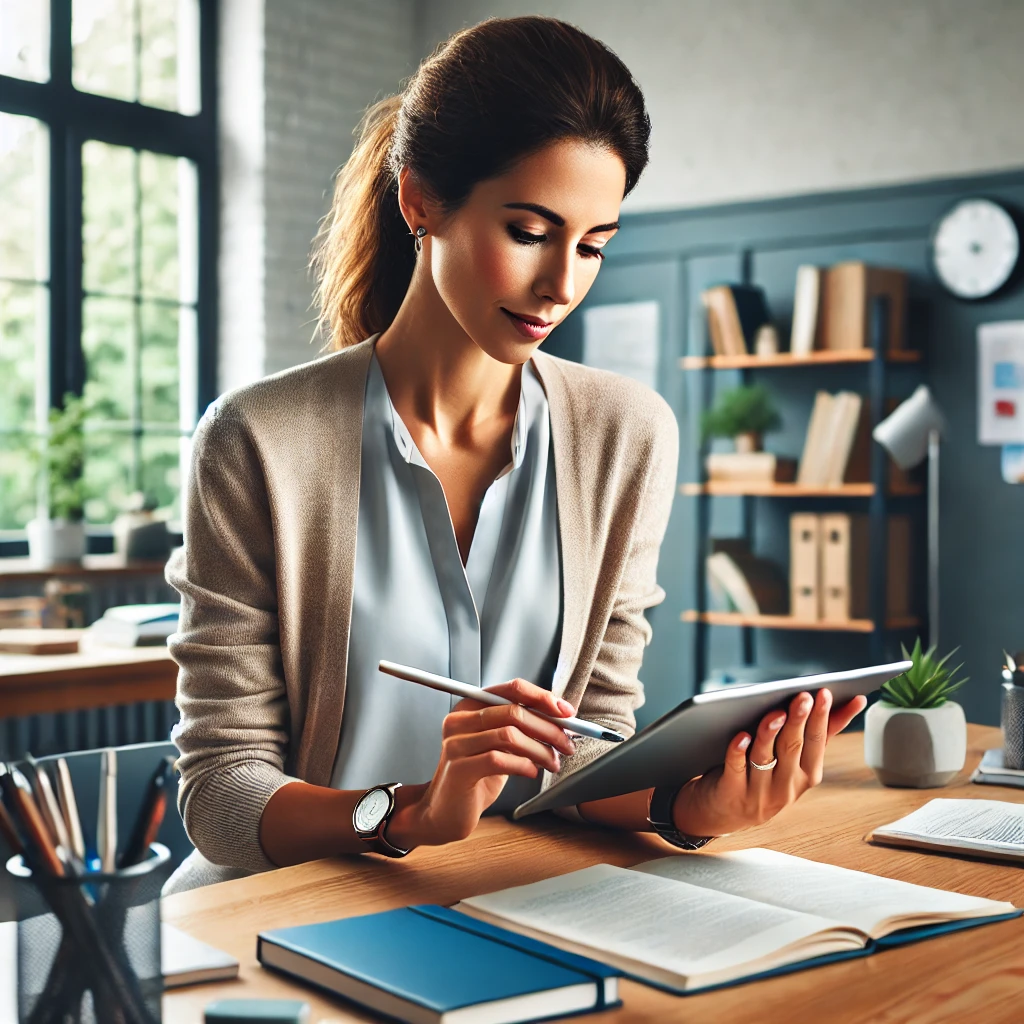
483, 100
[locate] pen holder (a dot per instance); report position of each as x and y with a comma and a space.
89, 945
1012, 721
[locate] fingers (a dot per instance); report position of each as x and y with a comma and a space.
733, 781
508, 739
762, 751
841, 717
487, 718
532, 696
790, 743
495, 762
812, 760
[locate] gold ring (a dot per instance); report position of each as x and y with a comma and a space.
765, 767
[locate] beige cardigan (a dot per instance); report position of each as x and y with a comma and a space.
265, 576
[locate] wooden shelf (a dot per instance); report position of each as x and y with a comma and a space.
821, 357
734, 488
788, 622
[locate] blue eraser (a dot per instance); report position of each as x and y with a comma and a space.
257, 1011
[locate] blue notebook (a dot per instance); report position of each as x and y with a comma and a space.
431, 965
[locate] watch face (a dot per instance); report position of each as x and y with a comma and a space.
975, 248
371, 809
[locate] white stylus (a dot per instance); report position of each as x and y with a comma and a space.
457, 689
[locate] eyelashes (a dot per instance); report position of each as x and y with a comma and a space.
525, 238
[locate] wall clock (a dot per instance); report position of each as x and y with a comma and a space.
975, 248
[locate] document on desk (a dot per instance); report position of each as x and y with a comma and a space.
693, 922
986, 828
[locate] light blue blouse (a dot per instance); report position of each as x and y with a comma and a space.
496, 618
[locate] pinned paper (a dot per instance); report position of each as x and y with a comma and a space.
1001, 383
623, 338
1013, 463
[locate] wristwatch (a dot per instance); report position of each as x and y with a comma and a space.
372, 815
659, 817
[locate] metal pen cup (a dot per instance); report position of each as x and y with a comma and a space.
89, 945
1012, 721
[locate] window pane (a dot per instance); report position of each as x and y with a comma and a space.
17, 482
25, 39
108, 332
109, 473
103, 40
161, 473
23, 384
159, 363
108, 218
145, 50
23, 192
158, 178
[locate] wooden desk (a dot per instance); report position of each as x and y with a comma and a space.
91, 565
975, 975
32, 684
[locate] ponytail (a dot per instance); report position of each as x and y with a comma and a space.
483, 100
362, 257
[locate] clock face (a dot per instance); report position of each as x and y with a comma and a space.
370, 809
975, 248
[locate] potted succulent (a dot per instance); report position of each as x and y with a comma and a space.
915, 735
57, 534
743, 413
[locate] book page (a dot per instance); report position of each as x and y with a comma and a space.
677, 927
970, 824
871, 903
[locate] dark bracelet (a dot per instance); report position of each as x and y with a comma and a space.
659, 817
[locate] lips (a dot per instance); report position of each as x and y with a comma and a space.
531, 327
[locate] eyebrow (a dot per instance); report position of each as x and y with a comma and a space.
555, 218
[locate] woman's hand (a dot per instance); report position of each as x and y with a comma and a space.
737, 795
481, 747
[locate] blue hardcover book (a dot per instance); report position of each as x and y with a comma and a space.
430, 965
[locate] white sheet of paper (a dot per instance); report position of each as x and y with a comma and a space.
1001, 382
623, 338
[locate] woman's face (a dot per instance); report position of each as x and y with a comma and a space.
521, 253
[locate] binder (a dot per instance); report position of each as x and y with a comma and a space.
804, 569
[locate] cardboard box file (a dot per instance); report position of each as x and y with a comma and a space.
804, 566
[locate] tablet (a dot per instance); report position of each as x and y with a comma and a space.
692, 738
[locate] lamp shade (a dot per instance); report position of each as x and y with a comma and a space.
904, 432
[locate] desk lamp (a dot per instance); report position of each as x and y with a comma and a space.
911, 433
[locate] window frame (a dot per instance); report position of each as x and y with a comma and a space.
72, 118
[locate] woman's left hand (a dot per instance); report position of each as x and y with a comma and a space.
738, 795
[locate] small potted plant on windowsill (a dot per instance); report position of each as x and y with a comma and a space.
915, 736
744, 414
57, 534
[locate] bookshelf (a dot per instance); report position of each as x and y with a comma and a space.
872, 361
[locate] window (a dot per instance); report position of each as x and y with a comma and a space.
107, 240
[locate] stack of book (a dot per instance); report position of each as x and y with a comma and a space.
837, 444
749, 467
829, 567
735, 313
739, 581
832, 307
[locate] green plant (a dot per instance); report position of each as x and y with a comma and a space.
741, 410
61, 456
927, 684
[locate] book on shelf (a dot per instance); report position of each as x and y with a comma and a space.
735, 312
804, 566
979, 828
805, 310
831, 439
992, 771
749, 467
847, 291
432, 965
688, 923
135, 625
751, 585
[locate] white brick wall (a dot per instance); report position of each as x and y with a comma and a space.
321, 62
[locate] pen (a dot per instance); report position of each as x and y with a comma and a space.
150, 815
47, 802
37, 843
106, 819
457, 689
69, 808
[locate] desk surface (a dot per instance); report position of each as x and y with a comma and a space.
954, 978
94, 677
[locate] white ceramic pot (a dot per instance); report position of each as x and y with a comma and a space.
55, 542
915, 747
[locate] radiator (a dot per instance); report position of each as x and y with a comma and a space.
102, 727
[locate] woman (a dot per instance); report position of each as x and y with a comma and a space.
440, 493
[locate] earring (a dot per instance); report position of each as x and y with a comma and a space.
418, 240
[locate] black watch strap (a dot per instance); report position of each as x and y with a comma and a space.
659, 817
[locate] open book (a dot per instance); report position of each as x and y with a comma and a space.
982, 828
691, 922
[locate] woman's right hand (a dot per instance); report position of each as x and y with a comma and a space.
481, 747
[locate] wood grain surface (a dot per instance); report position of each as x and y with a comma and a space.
972, 976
